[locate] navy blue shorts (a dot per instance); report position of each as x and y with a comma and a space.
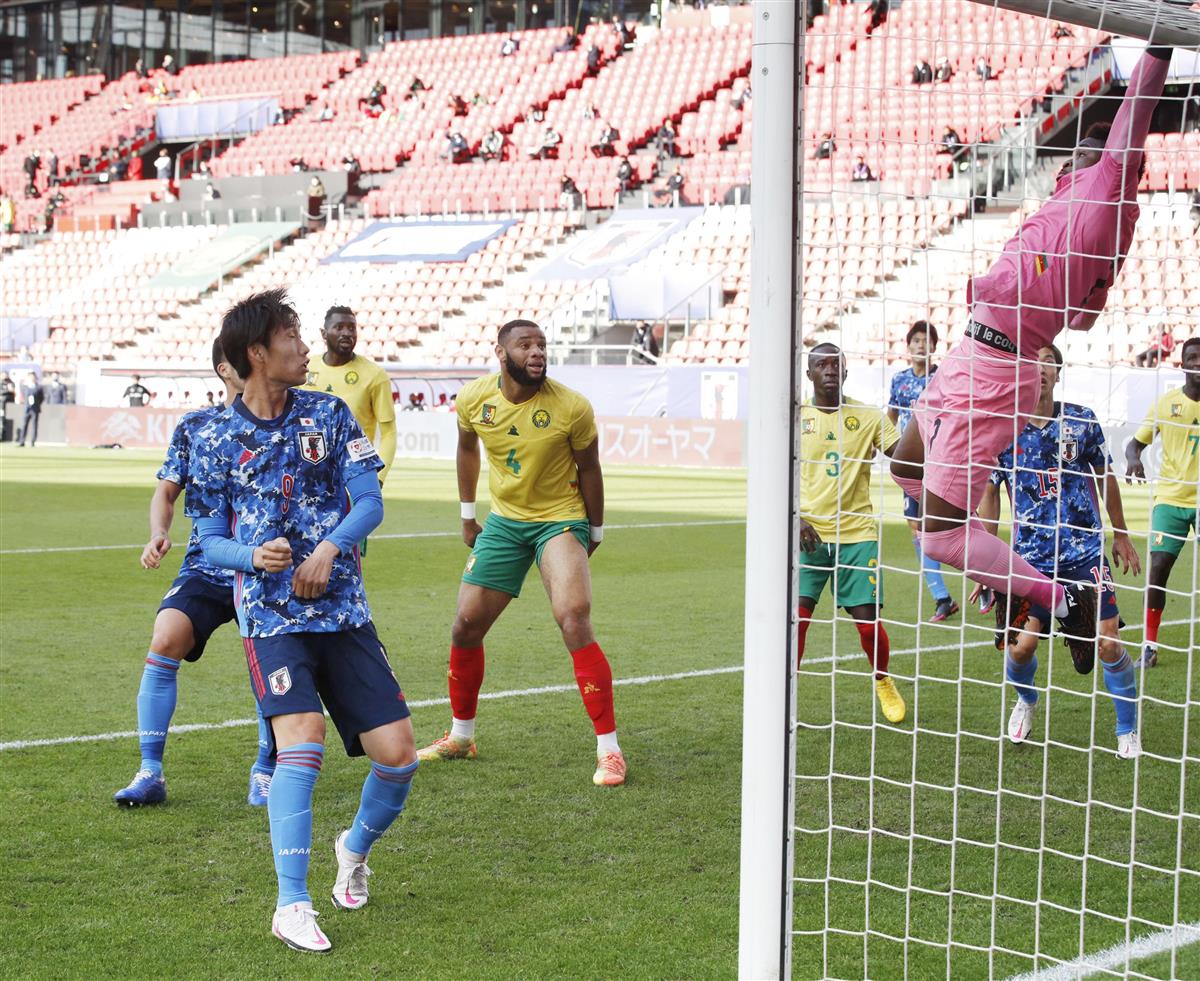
912, 508
208, 606
345, 671
1089, 572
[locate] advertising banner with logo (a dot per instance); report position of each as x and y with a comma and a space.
143, 428
420, 241
621, 241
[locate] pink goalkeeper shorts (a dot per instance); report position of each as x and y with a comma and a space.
975, 405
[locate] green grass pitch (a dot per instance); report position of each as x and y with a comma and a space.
514, 866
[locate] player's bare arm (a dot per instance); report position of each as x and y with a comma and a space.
1125, 553
466, 463
591, 488
311, 577
162, 514
1135, 470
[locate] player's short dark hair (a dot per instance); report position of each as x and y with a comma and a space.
337, 310
1098, 131
825, 347
218, 355
1186, 344
508, 328
252, 321
1058, 358
922, 327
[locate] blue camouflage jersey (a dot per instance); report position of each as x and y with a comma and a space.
286, 477
907, 387
175, 468
1058, 523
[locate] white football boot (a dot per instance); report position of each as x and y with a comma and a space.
1129, 745
296, 926
350, 887
1020, 722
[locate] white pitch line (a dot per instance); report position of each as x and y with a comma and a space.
1118, 955
393, 535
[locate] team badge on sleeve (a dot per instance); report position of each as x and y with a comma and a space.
312, 445
281, 681
360, 449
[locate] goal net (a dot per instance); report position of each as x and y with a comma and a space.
957, 842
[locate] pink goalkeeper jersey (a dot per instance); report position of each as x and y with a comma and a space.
1057, 270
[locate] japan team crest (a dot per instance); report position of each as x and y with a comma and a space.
1070, 450
312, 445
281, 681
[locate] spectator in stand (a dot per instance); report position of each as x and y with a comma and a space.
944, 71
861, 171
535, 114
212, 194
664, 140
326, 114
443, 404
298, 164
625, 34
510, 46
492, 147
458, 105
479, 99
139, 68
52, 169
983, 71
259, 169
32, 397
825, 148
672, 193
922, 74
1159, 351
593, 60
136, 395
56, 391
374, 98
8, 388
569, 42
8, 213
162, 165
316, 204
879, 12
457, 148
351, 164
644, 343
31, 191
134, 173
30, 165
590, 111
625, 175
744, 96
950, 142
201, 173
168, 65
605, 145
1062, 31
569, 197
547, 149
415, 402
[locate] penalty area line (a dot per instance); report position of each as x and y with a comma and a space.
1119, 955
649, 679
391, 536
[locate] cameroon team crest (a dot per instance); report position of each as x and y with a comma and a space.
351, 377
810, 426
488, 417
852, 423
541, 418
312, 445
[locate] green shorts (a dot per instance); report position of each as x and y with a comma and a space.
855, 572
1170, 526
505, 549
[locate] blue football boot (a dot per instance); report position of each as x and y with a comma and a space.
260, 786
146, 788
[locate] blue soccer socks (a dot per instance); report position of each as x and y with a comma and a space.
1120, 679
383, 795
155, 706
289, 807
1021, 676
932, 569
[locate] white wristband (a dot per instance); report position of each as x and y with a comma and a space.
597, 532
467, 509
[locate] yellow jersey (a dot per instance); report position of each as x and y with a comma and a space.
1176, 418
365, 387
837, 448
530, 447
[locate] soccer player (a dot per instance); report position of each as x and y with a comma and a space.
907, 386
547, 495
838, 441
1176, 418
1054, 273
198, 602
1053, 475
290, 475
359, 382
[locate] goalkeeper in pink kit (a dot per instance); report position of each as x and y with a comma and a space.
1054, 273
